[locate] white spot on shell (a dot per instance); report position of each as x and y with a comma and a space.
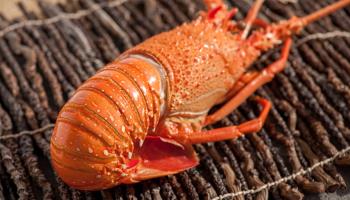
90, 150
135, 95
270, 35
123, 129
152, 80
129, 155
78, 149
124, 166
105, 152
123, 174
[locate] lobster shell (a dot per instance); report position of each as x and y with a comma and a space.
105, 122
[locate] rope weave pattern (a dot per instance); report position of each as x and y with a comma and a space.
76, 15
287, 178
96, 7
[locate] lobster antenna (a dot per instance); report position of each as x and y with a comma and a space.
324, 11
251, 16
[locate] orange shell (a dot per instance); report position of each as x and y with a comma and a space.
107, 118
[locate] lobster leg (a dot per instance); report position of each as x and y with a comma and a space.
232, 132
264, 76
242, 82
260, 22
161, 156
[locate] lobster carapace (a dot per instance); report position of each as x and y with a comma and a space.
138, 116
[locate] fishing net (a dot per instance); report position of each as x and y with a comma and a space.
301, 150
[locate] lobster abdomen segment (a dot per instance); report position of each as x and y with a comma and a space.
105, 122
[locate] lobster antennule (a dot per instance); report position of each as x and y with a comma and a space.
251, 16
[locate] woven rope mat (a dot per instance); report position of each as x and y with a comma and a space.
300, 150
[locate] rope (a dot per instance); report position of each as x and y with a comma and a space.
288, 1
322, 36
77, 15
287, 178
22, 133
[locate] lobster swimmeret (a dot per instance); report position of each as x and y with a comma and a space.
138, 116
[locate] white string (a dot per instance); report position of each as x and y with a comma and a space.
76, 15
33, 132
288, 1
287, 178
322, 36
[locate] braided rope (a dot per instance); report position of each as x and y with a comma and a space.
32, 132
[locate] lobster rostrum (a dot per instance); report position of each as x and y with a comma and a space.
138, 117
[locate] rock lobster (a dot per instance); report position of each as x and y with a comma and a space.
138, 117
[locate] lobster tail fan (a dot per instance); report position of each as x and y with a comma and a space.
160, 157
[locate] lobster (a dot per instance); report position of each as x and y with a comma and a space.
138, 117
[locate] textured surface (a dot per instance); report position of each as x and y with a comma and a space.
10, 9
42, 65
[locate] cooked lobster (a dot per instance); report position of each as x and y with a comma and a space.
138, 117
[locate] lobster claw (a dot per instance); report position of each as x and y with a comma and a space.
160, 157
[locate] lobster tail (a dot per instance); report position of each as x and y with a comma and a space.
105, 122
